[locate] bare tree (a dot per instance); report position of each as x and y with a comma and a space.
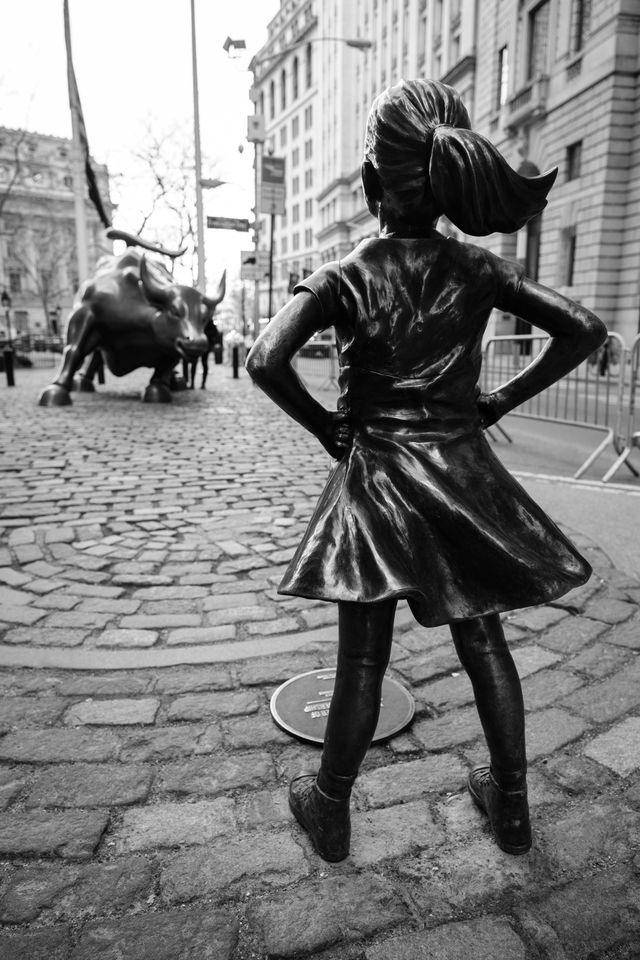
17, 143
45, 252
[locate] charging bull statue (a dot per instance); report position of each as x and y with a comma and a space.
135, 315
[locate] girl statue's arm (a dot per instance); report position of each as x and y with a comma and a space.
574, 334
269, 365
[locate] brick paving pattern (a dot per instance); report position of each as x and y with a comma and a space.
143, 782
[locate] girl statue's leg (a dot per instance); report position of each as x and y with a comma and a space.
321, 805
500, 790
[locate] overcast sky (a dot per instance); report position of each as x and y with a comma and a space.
133, 66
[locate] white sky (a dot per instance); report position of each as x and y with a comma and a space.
133, 66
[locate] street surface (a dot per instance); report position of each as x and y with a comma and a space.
143, 782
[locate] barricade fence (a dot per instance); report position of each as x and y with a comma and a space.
630, 437
35, 351
317, 362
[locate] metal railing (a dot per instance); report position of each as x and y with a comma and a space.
317, 362
629, 436
591, 396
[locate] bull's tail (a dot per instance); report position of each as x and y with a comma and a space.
132, 240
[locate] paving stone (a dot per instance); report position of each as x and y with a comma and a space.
626, 634
577, 774
437, 662
201, 933
46, 636
106, 684
262, 808
210, 775
592, 914
113, 712
11, 784
572, 634
13, 578
531, 658
260, 671
192, 679
610, 698
56, 601
225, 600
599, 660
461, 726
73, 835
547, 730
174, 824
318, 913
609, 611
52, 943
29, 711
618, 748
89, 785
393, 832
451, 691
124, 638
591, 831
546, 686
271, 858
13, 598
161, 621
189, 635
12, 613
198, 706
440, 773
484, 939
55, 746
55, 892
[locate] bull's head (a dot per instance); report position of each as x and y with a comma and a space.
184, 312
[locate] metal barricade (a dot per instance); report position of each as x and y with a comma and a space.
317, 363
40, 352
629, 435
590, 396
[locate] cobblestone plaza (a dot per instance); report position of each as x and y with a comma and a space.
143, 781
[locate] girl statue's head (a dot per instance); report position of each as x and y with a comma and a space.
422, 160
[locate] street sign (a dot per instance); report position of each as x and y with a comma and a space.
254, 265
272, 189
227, 223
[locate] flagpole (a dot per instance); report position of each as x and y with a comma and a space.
202, 283
79, 181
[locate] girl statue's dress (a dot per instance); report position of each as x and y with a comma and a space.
417, 506
420, 508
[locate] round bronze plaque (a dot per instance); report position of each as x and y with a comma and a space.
300, 706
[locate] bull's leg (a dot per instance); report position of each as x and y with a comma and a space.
83, 380
82, 339
178, 381
159, 387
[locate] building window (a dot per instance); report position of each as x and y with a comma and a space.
308, 238
308, 208
262, 103
295, 213
284, 243
580, 22
283, 89
294, 79
283, 136
295, 157
308, 70
308, 149
295, 127
308, 178
574, 160
272, 100
538, 39
308, 117
296, 241
295, 186
568, 256
68, 181
503, 77
15, 281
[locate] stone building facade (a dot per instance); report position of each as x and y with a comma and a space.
551, 82
38, 268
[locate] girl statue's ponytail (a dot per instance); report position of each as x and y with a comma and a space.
419, 141
475, 187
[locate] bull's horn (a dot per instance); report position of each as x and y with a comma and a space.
132, 240
212, 302
159, 293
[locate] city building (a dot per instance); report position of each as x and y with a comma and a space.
554, 83
38, 268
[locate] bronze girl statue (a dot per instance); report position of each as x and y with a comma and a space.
418, 506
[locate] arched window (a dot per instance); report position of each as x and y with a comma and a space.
283, 89
294, 79
272, 100
308, 71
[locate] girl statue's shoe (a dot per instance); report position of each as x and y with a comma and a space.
327, 821
508, 810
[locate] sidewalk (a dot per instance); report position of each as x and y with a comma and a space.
143, 782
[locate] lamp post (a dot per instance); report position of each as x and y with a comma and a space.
257, 130
5, 299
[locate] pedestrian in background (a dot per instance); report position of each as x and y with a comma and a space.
418, 507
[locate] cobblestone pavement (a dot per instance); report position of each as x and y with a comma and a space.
143, 782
